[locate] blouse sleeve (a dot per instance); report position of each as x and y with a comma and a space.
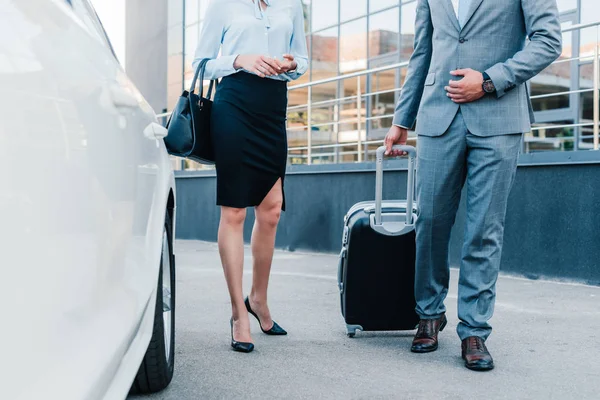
209, 44
298, 43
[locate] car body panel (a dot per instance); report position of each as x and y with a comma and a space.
83, 196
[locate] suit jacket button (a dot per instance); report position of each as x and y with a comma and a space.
461, 40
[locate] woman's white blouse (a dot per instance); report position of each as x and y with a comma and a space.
242, 27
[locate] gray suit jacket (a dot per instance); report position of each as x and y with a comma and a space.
492, 40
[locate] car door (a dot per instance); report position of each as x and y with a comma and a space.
129, 153
69, 310
77, 175
133, 148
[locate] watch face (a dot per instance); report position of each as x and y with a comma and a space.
488, 86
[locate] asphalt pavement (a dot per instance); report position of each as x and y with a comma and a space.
545, 341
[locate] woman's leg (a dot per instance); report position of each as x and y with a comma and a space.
231, 249
263, 244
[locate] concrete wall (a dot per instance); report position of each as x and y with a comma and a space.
146, 49
552, 228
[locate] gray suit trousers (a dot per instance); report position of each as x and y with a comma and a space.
488, 165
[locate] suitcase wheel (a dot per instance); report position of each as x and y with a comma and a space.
351, 330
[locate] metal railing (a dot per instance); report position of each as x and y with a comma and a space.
361, 148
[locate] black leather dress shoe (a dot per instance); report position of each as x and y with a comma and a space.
275, 330
426, 339
476, 355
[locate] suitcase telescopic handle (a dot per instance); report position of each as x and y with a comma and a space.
412, 153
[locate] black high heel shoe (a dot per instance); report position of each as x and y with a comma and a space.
242, 347
276, 330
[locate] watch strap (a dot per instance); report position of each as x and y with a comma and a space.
487, 80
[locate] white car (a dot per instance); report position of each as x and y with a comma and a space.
87, 211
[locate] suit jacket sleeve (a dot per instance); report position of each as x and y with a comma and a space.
408, 105
545, 45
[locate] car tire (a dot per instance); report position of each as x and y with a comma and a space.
156, 370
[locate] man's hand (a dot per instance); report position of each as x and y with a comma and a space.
395, 135
468, 89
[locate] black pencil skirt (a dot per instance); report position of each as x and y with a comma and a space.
248, 124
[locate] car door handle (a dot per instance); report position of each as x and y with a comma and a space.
122, 98
155, 131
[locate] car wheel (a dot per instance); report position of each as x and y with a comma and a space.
156, 370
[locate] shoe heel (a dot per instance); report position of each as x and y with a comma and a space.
275, 330
443, 325
242, 347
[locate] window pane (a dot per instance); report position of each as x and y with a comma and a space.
173, 93
586, 115
191, 40
175, 39
375, 5
174, 69
590, 11
586, 76
324, 115
351, 112
550, 139
192, 12
353, 46
297, 121
383, 102
384, 32
554, 79
324, 54
175, 11
353, 9
306, 10
567, 5
586, 106
567, 40
409, 14
324, 14
588, 41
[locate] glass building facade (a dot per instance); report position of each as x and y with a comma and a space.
345, 119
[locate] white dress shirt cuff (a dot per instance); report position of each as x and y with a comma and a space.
226, 64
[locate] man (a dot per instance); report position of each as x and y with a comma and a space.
466, 87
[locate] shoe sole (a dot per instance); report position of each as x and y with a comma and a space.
241, 350
478, 368
421, 351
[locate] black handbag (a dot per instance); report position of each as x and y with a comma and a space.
189, 125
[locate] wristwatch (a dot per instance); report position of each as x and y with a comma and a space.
488, 85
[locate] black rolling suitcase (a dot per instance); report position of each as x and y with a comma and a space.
376, 272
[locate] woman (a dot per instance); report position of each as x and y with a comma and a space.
262, 45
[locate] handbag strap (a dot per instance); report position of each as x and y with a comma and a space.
210, 87
200, 72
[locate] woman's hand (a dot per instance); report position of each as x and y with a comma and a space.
260, 65
288, 63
